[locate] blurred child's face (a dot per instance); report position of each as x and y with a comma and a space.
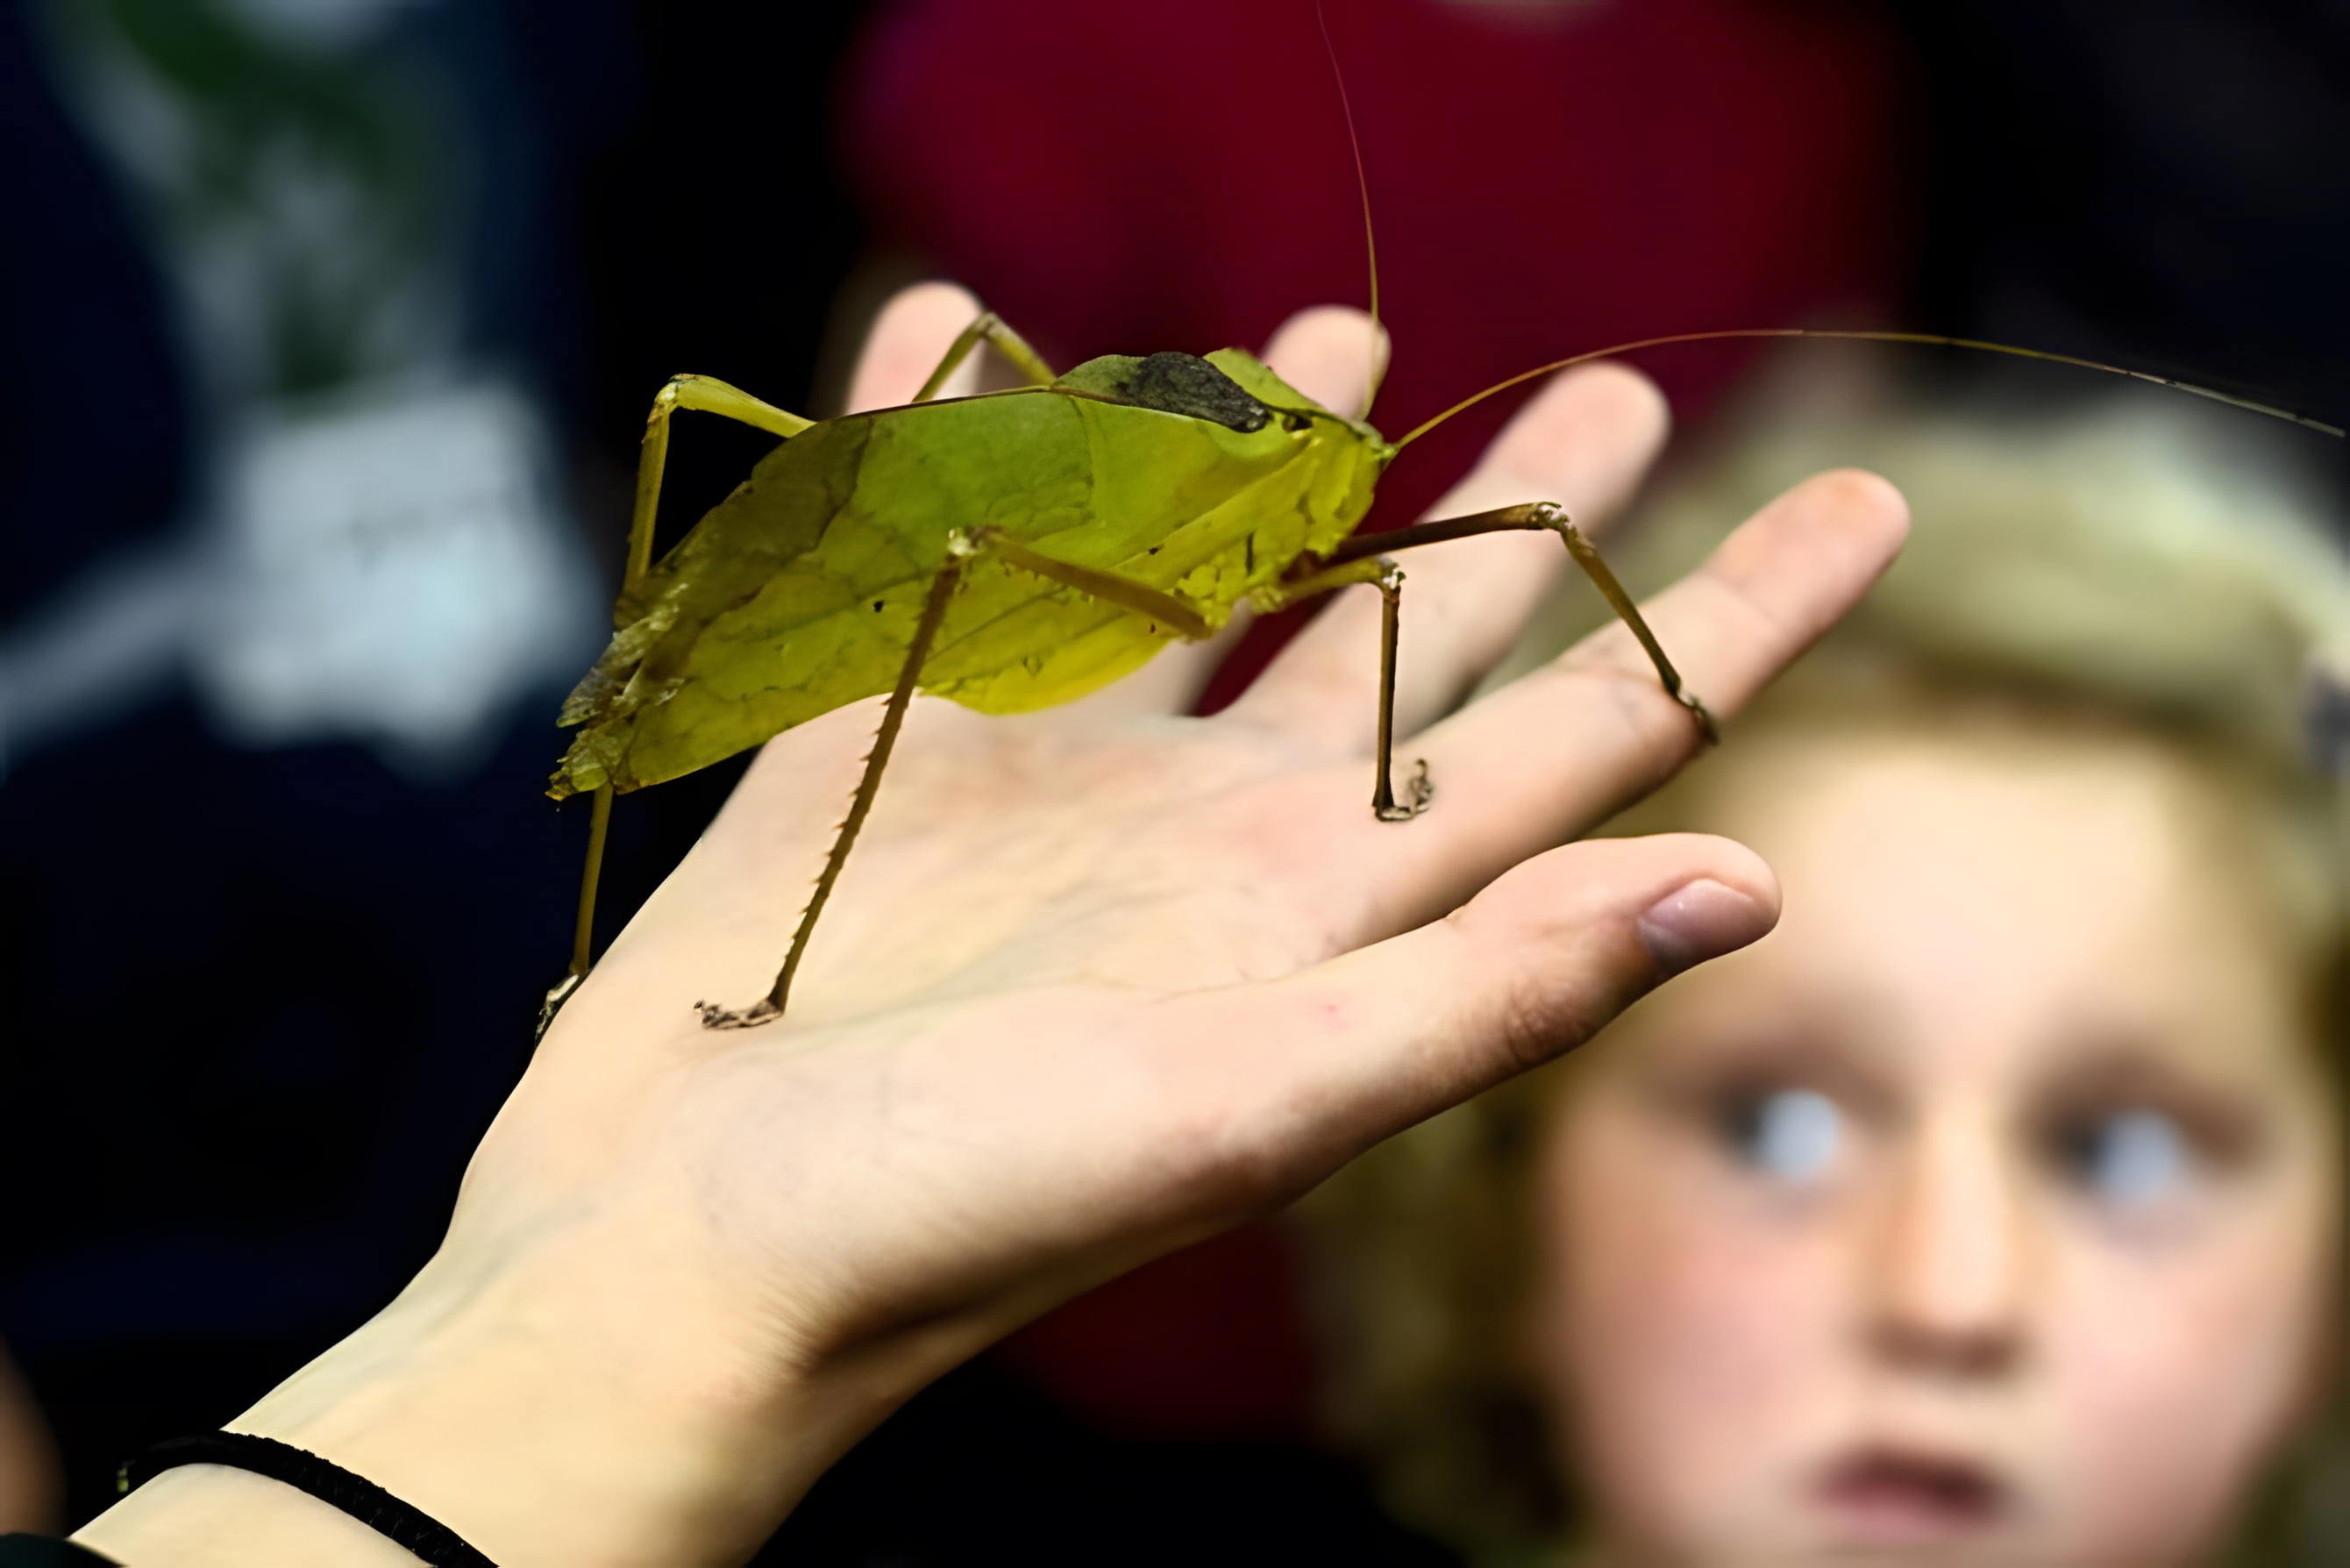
1982, 1213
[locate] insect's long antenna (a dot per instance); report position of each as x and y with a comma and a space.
1371, 239
1864, 337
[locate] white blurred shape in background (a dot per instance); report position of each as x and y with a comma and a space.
389, 567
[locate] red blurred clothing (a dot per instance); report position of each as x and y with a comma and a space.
1117, 177
1122, 178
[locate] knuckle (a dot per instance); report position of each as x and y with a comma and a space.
1536, 1019
1536, 1010
1230, 1164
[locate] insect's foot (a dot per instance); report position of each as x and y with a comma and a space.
552, 1004
1416, 797
716, 1017
1705, 724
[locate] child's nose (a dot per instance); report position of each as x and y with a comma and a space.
1950, 1263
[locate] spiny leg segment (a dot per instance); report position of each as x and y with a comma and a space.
868, 786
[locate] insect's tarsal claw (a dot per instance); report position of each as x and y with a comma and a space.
1417, 795
552, 1004
1706, 726
716, 1017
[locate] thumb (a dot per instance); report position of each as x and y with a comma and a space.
1367, 1043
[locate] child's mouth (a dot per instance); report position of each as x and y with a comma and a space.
1880, 1496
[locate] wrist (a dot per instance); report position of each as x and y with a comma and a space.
543, 1420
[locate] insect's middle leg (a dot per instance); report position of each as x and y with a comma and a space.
868, 786
1388, 577
1165, 609
1551, 516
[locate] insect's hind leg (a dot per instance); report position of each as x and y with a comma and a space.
707, 395
1551, 516
1388, 577
989, 328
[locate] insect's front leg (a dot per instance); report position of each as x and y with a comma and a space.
1552, 516
1388, 577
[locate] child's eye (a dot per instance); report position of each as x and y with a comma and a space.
1789, 1134
2123, 1157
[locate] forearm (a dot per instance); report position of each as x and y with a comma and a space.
529, 1421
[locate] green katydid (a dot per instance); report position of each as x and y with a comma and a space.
1015, 550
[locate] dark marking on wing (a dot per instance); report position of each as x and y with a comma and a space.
1185, 384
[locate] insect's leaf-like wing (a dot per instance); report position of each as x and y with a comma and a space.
799, 593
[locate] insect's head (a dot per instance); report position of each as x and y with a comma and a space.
1230, 388
1295, 413
1306, 418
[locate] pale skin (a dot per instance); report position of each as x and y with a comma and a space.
2072, 1224
1102, 981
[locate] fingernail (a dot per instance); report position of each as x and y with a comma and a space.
1702, 920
